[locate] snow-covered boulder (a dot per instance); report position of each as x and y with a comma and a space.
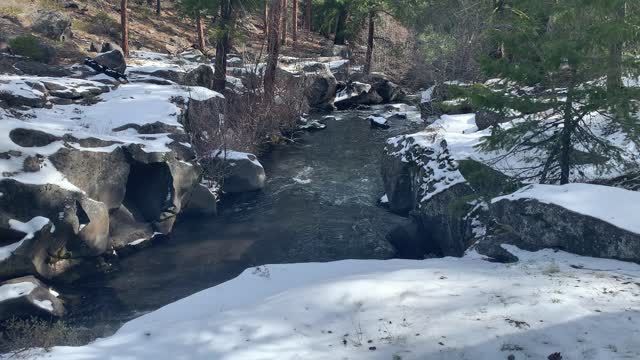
355, 93
27, 296
52, 24
590, 220
242, 171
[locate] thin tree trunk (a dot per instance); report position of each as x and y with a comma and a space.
266, 18
222, 47
307, 15
124, 22
369, 55
614, 70
341, 25
158, 7
294, 24
200, 31
566, 146
284, 10
273, 49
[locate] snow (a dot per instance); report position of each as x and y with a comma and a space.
425, 96
384, 199
137, 242
29, 229
377, 119
616, 206
16, 290
447, 308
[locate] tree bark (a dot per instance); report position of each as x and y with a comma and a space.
284, 13
566, 145
341, 26
294, 23
124, 22
222, 47
369, 55
614, 69
307, 15
158, 7
266, 18
200, 33
273, 49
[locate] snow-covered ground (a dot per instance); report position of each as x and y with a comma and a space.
445, 308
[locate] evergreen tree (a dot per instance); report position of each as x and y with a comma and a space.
561, 48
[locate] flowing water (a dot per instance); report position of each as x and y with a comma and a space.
320, 203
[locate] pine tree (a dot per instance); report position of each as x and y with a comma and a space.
124, 22
560, 48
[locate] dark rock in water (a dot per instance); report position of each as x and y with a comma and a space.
113, 60
242, 172
200, 76
320, 87
31, 138
378, 122
28, 296
536, 225
52, 24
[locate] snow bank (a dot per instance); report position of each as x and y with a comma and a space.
12, 291
432, 309
616, 206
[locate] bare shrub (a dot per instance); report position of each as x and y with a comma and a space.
18, 335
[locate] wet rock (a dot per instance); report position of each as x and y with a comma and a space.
113, 59
28, 296
52, 24
242, 171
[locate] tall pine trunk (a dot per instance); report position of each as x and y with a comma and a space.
222, 47
341, 26
294, 23
307, 15
273, 49
124, 22
614, 69
158, 7
200, 33
284, 10
569, 123
369, 55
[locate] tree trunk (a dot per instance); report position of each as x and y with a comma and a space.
124, 22
273, 49
284, 10
158, 7
266, 18
307, 15
222, 47
369, 55
566, 145
200, 31
341, 26
294, 23
614, 69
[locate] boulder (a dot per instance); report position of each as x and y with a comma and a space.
200, 76
320, 87
28, 296
113, 59
202, 201
242, 171
52, 24
389, 91
41, 69
486, 119
536, 225
354, 94
31, 138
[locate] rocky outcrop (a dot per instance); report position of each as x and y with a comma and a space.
534, 225
320, 86
27, 296
52, 24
